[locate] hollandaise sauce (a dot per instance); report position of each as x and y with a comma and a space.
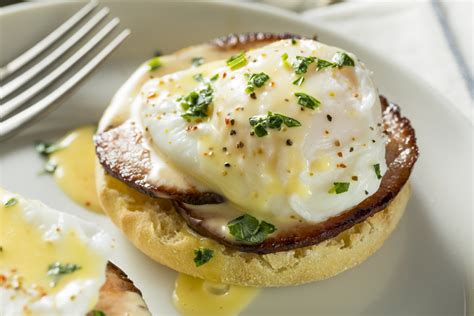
74, 167
197, 297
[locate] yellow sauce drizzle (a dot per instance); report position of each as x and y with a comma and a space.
197, 297
321, 164
25, 255
75, 171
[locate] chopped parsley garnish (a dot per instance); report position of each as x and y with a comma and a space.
96, 312
49, 167
343, 59
377, 171
339, 187
46, 149
10, 202
197, 61
300, 65
154, 63
256, 81
339, 60
56, 270
198, 77
298, 82
307, 101
271, 120
202, 255
196, 103
249, 229
294, 41
322, 64
237, 61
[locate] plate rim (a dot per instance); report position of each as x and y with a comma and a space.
266, 9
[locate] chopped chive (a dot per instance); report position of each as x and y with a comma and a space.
154, 63
237, 61
10, 202
377, 171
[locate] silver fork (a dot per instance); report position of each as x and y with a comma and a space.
11, 123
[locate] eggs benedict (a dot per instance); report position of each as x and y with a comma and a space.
274, 160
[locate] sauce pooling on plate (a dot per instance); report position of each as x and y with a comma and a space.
72, 163
194, 297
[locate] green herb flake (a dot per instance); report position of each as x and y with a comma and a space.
56, 270
322, 64
198, 77
154, 63
249, 229
339, 187
307, 101
298, 82
96, 312
10, 202
202, 255
377, 171
49, 168
343, 59
294, 41
301, 64
197, 61
259, 126
284, 59
237, 61
271, 120
196, 103
45, 148
256, 81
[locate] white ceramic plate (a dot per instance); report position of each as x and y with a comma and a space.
423, 267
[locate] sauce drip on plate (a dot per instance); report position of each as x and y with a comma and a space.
196, 297
75, 167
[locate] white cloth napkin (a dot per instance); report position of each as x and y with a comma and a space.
423, 43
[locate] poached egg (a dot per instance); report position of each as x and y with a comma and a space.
292, 128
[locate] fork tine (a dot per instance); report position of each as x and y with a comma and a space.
16, 83
26, 95
39, 47
11, 125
